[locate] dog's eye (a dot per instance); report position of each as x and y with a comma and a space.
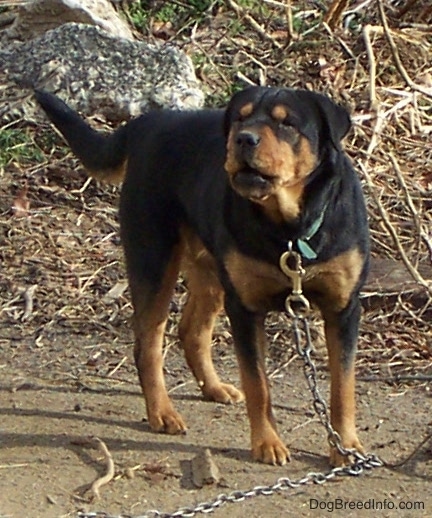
286, 126
288, 131
286, 123
241, 117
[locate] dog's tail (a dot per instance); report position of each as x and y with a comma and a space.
104, 156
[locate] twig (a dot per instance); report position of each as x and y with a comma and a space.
358, 7
28, 300
403, 10
253, 23
84, 187
283, 366
244, 78
275, 3
117, 367
13, 3
109, 475
253, 59
410, 312
411, 455
410, 203
334, 12
341, 42
94, 275
387, 223
289, 17
396, 57
210, 59
372, 66
379, 123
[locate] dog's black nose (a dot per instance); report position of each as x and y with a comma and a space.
248, 139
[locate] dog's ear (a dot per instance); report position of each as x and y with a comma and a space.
228, 118
337, 119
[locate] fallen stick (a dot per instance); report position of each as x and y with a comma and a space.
396, 57
372, 66
109, 475
240, 11
28, 300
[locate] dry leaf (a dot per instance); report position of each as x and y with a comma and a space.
163, 30
332, 73
115, 292
21, 203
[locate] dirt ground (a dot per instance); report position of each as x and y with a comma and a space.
58, 393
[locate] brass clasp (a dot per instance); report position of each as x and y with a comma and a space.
296, 304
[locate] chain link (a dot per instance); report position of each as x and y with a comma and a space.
361, 462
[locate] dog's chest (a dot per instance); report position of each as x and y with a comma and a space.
262, 286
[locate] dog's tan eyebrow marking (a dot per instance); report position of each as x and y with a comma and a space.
246, 110
279, 112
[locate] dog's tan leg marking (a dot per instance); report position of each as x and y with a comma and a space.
150, 316
342, 395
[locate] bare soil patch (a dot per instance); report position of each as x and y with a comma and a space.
56, 396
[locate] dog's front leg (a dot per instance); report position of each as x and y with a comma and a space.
249, 337
341, 331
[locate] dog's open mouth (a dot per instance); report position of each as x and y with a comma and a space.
252, 181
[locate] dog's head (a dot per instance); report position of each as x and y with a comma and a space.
276, 137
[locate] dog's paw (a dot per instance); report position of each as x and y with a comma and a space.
169, 421
223, 393
270, 450
338, 460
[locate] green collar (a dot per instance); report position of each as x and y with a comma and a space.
303, 242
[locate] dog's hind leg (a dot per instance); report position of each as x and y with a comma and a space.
196, 328
150, 317
152, 250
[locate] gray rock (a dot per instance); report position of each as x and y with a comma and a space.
35, 18
95, 73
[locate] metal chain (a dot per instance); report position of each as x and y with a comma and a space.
361, 462
310, 372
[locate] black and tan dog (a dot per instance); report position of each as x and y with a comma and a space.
219, 194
